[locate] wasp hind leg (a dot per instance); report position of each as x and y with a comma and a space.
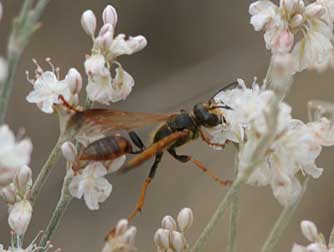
141, 199
199, 164
137, 141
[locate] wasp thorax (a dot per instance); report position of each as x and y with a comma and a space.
205, 116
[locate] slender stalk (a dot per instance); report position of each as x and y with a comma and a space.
234, 214
46, 169
24, 26
282, 222
63, 202
331, 238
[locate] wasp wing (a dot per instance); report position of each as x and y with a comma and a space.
102, 121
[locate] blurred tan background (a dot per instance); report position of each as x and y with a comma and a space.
195, 47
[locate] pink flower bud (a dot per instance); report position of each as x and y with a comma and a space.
314, 10
9, 194
20, 216
106, 28
109, 15
23, 179
161, 239
69, 151
88, 22
309, 230
185, 219
121, 227
130, 235
168, 222
137, 43
74, 80
297, 20
177, 241
290, 5
284, 42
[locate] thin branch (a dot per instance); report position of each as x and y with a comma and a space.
282, 222
234, 214
23, 27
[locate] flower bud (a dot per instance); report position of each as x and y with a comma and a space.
74, 80
315, 247
290, 5
185, 219
121, 227
309, 230
69, 151
105, 29
177, 241
106, 40
109, 15
19, 216
137, 43
130, 235
301, 7
88, 22
9, 194
161, 239
168, 222
23, 179
314, 10
297, 20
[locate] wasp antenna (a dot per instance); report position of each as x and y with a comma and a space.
66, 104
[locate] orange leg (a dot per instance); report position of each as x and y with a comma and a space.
67, 105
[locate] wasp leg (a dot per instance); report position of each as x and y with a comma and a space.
151, 150
137, 141
67, 105
141, 200
207, 140
200, 165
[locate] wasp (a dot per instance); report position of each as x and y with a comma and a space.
177, 129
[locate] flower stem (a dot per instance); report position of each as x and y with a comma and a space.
234, 214
331, 238
63, 202
46, 169
282, 222
23, 27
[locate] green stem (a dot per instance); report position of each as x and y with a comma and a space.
234, 214
331, 238
282, 222
24, 26
46, 169
63, 202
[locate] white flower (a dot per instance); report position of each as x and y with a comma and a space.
311, 233
48, 87
13, 155
122, 240
91, 185
20, 216
121, 85
99, 82
281, 23
185, 219
88, 22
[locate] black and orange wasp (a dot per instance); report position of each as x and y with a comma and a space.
176, 130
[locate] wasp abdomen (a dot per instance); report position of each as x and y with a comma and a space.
107, 148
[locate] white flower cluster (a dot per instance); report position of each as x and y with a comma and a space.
318, 242
282, 25
15, 179
102, 87
123, 240
48, 87
168, 238
296, 144
89, 182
